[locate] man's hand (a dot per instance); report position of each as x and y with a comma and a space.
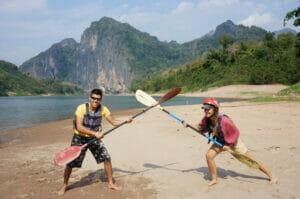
99, 135
184, 124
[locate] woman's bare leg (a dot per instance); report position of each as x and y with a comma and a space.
210, 155
264, 169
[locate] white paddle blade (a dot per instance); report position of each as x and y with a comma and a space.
144, 98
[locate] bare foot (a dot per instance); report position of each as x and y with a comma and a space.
62, 190
273, 180
114, 187
212, 182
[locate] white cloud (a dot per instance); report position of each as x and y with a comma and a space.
183, 7
223, 2
258, 19
125, 6
38, 22
9, 6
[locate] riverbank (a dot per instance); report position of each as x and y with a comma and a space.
240, 91
155, 157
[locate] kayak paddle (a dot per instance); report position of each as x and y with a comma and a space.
147, 100
69, 154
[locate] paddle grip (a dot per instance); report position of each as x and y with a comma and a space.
181, 120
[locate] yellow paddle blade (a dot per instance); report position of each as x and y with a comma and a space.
245, 160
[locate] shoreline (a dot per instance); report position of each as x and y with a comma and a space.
9, 136
154, 157
116, 112
237, 92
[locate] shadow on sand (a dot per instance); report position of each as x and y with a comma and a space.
99, 175
224, 173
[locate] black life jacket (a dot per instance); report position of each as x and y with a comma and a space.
220, 135
91, 120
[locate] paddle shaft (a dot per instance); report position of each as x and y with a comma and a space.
181, 120
119, 125
166, 97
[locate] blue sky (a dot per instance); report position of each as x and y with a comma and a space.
29, 27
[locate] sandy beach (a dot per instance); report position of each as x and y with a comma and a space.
155, 157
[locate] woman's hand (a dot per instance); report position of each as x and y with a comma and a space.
225, 148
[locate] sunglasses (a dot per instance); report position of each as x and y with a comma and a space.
207, 106
95, 98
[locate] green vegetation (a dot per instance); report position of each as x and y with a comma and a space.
145, 53
251, 93
274, 60
64, 59
294, 14
11, 80
275, 99
290, 94
292, 90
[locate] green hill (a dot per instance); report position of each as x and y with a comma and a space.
17, 83
116, 56
275, 60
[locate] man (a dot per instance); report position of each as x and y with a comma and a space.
225, 132
87, 125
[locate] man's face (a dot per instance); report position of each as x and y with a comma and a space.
95, 100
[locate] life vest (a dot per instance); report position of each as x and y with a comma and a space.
216, 131
91, 120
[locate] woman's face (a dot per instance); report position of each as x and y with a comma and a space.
209, 112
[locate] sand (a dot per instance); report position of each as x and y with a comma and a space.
155, 157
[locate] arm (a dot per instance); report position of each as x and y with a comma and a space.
230, 131
111, 119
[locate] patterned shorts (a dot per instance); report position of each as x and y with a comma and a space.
239, 147
97, 148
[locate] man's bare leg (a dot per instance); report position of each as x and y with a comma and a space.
109, 173
67, 174
264, 169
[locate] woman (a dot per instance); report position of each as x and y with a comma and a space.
224, 131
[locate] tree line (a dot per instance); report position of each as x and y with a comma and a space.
17, 83
274, 60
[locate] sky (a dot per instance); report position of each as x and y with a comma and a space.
29, 27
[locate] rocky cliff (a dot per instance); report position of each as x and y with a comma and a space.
100, 62
111, 55
54, 63
96, 62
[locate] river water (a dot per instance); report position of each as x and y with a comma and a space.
23, 111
